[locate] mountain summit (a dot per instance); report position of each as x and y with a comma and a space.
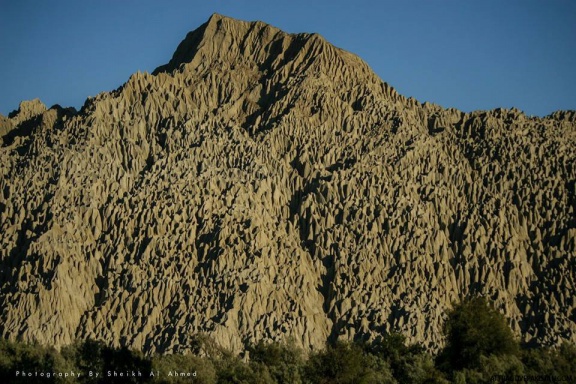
266, 186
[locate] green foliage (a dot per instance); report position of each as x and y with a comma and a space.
409, 364
538, 361
346, 363
86, 357
95, 356
559, 362
284, 361
422, 371
125, 360
490, 367
475, 329
204, 345
22, 358
479, 348
234, 370
565, 358
202, 367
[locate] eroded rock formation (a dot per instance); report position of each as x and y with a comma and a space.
263, 185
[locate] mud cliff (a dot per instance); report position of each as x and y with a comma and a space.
265, 185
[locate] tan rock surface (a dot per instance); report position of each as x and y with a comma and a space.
263, 185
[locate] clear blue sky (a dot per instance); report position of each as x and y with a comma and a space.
468, 54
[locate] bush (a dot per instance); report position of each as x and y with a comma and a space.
565, 358
479, 347
409, 364
558, 362
538, 361
422, 371
346, 363
21, 357
95, 356
284, 361
203, 367
86, 357
491, 367
233, 370
475, 329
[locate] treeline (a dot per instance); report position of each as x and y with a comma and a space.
480, 348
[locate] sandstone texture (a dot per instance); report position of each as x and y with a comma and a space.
265, 185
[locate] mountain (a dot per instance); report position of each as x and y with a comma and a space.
265, 185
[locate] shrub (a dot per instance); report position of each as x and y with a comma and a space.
538, 361
475, 329
284, 361
345, 363
409, 364
565, 358
203, 367
17, 356
233, 370
95, 356
494, 369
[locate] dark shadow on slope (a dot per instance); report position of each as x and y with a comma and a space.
24, 129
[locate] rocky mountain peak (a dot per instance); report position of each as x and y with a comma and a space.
28, 109
226, 40
266, 186
221, 38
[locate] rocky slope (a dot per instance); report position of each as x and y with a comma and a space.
263, 185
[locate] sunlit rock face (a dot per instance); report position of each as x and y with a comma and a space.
263, 185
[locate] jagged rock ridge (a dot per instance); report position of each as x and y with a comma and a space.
263, 185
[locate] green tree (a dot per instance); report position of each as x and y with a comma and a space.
283, 361
22, 357
91, 355
86, 356
489, 369
566, 360
234, 371
345, 363
538, 361
475, 329
410, 364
